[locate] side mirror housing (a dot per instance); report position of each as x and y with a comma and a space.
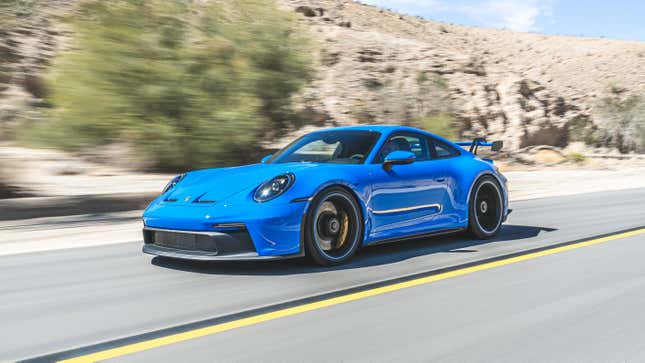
266, 158
398, 157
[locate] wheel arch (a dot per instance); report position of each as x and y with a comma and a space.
348, 187
500, 183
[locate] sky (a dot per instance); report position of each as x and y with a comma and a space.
614, 19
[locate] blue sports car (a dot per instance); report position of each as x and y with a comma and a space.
328, 193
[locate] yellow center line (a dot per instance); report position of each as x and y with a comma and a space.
240, 323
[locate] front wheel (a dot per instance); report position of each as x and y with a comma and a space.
486, 208
334, 227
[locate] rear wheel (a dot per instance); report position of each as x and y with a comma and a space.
486, 208
334, 227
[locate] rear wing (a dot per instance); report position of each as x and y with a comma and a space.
480, 141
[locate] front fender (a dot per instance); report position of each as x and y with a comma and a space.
354, 178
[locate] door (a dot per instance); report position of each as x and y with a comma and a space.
445, 168
407, 198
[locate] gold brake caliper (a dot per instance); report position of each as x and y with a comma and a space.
344, 230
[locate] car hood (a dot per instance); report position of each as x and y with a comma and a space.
215, 185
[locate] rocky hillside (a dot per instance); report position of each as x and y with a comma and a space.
31, 33
377, 66
527, 89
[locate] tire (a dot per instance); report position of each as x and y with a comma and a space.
485, 208
334, 227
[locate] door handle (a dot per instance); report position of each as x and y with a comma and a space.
440, 180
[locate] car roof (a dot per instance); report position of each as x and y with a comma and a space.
379, 128
384, 129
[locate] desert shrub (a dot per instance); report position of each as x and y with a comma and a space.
373, 84
34, 85
577, 157
5, 77
422, 78
433, 104
389, 69
581, 128
12, 15
622, 121
442, 124
362, 112
12, 9
189, 83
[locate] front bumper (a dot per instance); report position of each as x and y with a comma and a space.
270, 229
157, 250
229, 244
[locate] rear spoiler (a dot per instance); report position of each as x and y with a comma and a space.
480, 141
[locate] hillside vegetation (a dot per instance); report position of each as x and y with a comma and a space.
194, 83
375, 65
188, 83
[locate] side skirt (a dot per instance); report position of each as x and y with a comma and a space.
417, 235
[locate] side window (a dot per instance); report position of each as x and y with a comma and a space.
414, 143
442, 150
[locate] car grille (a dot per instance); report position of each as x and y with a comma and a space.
217, 243
185, 241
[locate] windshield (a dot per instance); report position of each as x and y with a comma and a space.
338, 146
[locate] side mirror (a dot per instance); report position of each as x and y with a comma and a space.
266, 158
398, 157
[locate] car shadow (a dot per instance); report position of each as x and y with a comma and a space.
372, 256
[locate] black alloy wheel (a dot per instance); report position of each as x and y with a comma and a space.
334, 228
486, 208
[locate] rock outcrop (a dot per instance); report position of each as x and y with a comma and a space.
523, 88
377, 66
31, 33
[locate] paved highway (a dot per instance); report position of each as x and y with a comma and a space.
581, 304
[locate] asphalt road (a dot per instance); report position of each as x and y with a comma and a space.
580, 305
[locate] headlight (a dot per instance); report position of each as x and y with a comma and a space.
171, 184
273, 188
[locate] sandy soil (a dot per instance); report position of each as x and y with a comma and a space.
45, 172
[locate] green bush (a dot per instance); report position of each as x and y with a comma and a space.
577, 157
442, 124
189, 83
581, 128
